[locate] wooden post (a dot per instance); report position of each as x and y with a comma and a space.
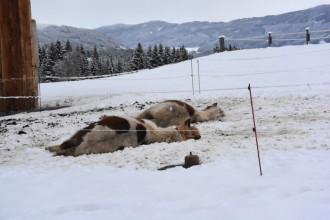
222, 43
308, 36
255, 130
270, 39
18, 66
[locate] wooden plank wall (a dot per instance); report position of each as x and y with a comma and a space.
18, 74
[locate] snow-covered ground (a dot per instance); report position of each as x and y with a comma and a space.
291, 90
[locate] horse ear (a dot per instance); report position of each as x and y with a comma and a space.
187, 122
215, 104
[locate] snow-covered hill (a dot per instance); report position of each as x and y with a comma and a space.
201, 35
89, 38
291, 90
205, 34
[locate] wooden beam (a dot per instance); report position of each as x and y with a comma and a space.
11, 50
17, 73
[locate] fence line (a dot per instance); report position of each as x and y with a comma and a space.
108, 77
234, 73
17, 79
250, 38
201, 130
247, 39
59, 77
320, 38
175, 91
101, 77
277, 39
264, 73
261, 58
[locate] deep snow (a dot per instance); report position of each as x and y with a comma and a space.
291, 90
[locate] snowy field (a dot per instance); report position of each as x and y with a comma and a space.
291, 90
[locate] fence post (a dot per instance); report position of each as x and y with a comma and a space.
192, 78
255, 129
222, 43
308, 36
16, 52
199, 79
270, 39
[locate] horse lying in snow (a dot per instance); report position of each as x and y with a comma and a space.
112, 133
174, 112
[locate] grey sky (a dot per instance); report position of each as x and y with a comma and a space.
96, 13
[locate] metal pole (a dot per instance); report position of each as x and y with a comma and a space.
255, 130
192, 78
199, 80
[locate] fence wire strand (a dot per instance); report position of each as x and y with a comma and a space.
177, 91
266, 36
269, 57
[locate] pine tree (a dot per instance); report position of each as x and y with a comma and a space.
161, 55
74, 64
68, 47
154, 57
148, 58
119, 67
50, 60
103, 69
167, 55
83, 61
58, 50
107, 66
42, 54
138, 61
96, 64
42, 62
78, 62
112, 68
175, 55
183, 53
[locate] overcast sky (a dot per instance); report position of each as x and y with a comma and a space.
96, 13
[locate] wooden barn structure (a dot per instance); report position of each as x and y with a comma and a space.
18, 57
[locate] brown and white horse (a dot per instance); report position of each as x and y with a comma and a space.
112, 133
175, 112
